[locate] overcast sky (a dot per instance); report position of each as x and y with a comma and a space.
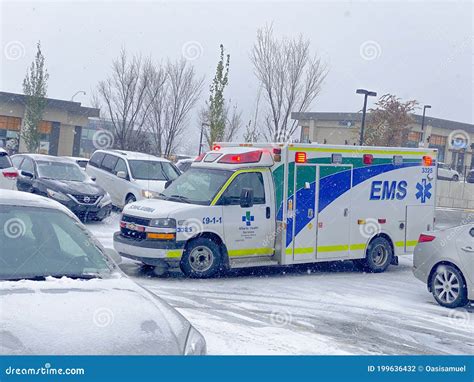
416, 50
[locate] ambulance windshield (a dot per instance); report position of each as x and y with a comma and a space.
196, 186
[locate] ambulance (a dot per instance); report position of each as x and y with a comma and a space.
250, 205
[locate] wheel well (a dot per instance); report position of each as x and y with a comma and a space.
444, 263
216, 239
385, 236
129, 194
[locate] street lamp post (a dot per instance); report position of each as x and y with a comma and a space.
76, 93
200, 139
423, 125
366, 93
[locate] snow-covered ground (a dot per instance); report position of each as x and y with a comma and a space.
324, 309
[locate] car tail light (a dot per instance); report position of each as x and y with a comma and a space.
249, 157
12, 175
200, 157
426, 238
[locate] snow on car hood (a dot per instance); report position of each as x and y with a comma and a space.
155, 208
151, 185
87, 317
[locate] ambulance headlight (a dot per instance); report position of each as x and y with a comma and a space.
163, 223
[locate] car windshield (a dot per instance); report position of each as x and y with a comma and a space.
39, 242
61, 171
197, 185
152, 170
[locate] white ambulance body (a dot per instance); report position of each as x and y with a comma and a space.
243, 205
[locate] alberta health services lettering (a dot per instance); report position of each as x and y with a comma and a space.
248, 228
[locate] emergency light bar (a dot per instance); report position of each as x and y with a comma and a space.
249, 157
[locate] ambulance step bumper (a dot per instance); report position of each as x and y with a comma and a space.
248, 262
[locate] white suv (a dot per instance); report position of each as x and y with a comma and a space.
129, 176
8, 173
446, 172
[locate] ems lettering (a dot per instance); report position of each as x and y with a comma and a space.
388, 190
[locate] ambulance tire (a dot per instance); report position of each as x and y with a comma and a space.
379, 255
202, 258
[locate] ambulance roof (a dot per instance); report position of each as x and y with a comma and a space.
236, 157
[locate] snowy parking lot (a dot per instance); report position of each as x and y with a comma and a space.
322, 309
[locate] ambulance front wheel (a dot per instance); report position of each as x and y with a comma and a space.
379, 255
202, 258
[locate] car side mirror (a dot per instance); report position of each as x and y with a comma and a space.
168, 183
113, 254
246, 198
27, 174
122, 174
94, 178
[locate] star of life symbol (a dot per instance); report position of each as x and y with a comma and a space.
248, 218
423, 190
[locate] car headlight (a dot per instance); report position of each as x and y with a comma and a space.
57, 195
195, 343
163, 223
150, 194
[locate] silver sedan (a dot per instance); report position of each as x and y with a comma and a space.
444, 261
62, 293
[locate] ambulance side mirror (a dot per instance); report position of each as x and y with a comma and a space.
246, 198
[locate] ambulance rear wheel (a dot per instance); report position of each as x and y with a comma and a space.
202, 258
379, 255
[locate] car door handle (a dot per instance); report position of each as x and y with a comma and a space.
268, 212
467, 249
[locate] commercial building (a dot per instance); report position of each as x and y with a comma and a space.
61, 127
343, 129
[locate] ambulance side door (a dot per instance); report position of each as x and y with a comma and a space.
249, 228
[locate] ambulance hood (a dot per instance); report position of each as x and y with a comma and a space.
157, 208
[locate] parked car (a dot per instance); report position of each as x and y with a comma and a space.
8, 173
64, 181
446, 172
444, 261
470, 176
129, 176
82, 162
184, 164
63, 293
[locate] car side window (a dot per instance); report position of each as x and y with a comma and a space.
109, 162
120, 166
96, 159
17, 161
28, 166
253, 180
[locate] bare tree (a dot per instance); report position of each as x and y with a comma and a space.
127, 96
389, 122
252, 129
290, 76
178, 89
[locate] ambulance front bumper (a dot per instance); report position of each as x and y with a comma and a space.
153, 252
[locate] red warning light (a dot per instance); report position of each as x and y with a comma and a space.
368, 158
300, 157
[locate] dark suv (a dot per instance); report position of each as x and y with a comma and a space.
64, 181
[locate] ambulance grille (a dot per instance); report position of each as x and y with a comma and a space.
136, 220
